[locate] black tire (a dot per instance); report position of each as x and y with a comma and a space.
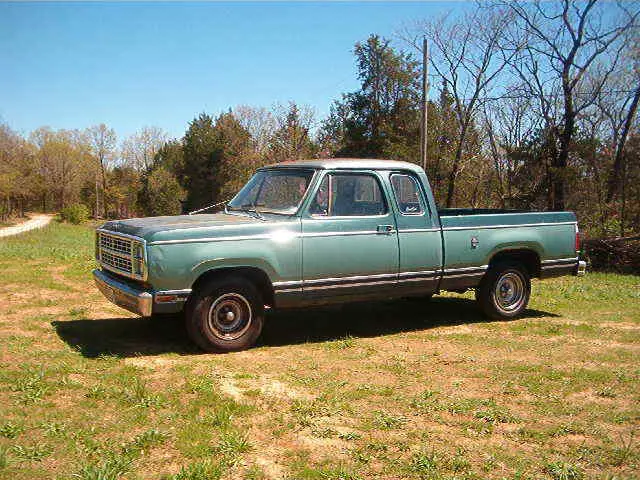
225, 315
504, 291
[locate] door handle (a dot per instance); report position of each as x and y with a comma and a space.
385, 230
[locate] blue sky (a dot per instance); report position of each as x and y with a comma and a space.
72, 65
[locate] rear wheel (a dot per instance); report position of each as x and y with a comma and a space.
504, 291
225, 315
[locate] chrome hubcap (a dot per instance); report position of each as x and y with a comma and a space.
229, 316
509, 292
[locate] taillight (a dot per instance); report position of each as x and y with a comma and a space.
577, 240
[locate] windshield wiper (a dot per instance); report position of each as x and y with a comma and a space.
251, 209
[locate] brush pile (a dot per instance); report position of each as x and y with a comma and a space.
620, 255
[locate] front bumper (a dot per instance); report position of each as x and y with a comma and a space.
124, 295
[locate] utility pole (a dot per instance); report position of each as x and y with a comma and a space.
97, 204
425, 100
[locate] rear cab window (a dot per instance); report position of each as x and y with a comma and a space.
407, 194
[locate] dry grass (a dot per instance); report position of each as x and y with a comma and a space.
389, 390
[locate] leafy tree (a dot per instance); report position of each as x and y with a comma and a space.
217, 159
381, 119
163, 192
160, 192
292, 141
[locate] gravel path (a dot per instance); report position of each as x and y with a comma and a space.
36, 221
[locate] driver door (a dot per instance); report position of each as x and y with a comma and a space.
350, 240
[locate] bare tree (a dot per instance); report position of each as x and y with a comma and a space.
102, 140
620, 106
139, 149
508, 123
260, 123
563, 41
466, 54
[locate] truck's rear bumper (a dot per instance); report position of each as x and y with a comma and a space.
135, 300
562, 266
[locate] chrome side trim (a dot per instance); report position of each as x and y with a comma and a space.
416, 230
559, 260
355, 281
417, 279
453, 271
343, 217
212, 239
423, 273
476, 274
356, 278
340, 285
186, 291
235, 225
560, 265
339, 234
522, 225
269, 236
293, 283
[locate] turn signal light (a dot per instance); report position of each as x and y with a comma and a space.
166, 298
578, 246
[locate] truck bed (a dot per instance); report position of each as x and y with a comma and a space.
471, 240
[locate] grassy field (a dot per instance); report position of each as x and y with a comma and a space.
391, 390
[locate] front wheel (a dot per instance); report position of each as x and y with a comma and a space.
225, 315
504, 291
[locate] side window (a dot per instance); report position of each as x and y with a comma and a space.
407, 193
343, 195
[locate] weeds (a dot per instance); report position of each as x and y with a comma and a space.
386, 421
11, 430
112, 468
203, 470
34, 452
425, 465
564, 471
4, 459
31, 387
232, 444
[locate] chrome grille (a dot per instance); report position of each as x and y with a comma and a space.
117, 244
123, 264
121, 254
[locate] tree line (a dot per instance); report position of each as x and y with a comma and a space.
533, 105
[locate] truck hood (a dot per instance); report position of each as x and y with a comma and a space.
180, 227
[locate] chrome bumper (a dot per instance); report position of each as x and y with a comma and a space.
123, 295
581, 269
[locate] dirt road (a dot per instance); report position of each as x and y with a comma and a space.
36, 221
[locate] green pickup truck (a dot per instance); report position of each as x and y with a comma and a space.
322, 231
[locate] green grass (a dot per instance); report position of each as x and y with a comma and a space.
387, 390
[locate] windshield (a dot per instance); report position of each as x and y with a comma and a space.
273, 191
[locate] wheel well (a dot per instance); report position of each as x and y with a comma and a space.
528, 258
256, 276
